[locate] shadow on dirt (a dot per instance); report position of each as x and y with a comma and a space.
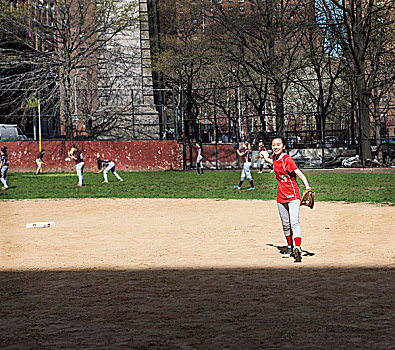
298, 308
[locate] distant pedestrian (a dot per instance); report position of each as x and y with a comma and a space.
76, 154
40, 161
4, 166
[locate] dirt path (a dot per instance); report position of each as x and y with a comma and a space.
194, 274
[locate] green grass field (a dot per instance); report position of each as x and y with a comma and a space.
375, 188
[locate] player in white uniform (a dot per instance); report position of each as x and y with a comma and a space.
40, 161
4, 166
261, 157
105, 166
245, 152
76, 154
199, 158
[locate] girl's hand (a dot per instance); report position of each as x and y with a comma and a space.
266, 157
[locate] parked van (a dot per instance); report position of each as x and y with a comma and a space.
11, 132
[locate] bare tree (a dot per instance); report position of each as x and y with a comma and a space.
52, 43
261, 47
358, 26
185, 59
381, 68
323, 69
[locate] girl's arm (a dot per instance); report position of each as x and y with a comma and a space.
302, 177
266, 157
240, 153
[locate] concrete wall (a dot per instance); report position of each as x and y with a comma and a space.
128, 155
125, 80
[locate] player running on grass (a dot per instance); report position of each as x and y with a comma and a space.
288, 196
76, 154
4, 166
105, 166
245, 152
40, 161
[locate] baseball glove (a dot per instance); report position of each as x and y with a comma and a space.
94, 171
308, 198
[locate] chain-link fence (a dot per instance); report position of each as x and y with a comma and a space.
214, 116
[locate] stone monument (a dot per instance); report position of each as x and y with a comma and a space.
125, 85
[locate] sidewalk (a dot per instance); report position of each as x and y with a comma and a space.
351, 170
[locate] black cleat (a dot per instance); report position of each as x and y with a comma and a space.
288, 253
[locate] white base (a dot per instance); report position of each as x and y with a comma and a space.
40, 224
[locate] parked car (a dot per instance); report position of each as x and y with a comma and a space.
331, 141
373, 145
11, 132
293, 140
388, 147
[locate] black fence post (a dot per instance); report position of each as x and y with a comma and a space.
215, 130
133, 117
322, 141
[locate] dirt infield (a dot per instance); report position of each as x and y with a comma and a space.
194, 274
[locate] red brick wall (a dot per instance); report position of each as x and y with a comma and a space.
127, 155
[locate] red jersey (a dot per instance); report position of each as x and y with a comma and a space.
78, 156
287, 187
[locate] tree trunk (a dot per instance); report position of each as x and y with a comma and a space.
364, 119
65, 106
279, 100
377, 129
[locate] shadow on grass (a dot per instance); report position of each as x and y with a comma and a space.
298, 308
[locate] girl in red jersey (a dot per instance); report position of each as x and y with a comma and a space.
288, 196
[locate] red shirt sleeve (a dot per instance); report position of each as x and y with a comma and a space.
290, 165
